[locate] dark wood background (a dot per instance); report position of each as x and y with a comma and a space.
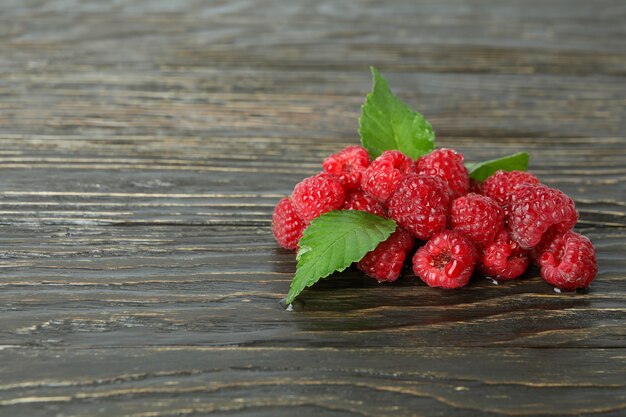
144, 144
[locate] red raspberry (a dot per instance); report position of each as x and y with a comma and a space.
358, 200
478, 217
447, 260
446, 164
286, 225
348, 166
568, 261
421, 205
384, 174
533, 209
501, 184
504, 259
385, 262
317, 195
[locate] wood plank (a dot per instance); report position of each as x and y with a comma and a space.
187, 380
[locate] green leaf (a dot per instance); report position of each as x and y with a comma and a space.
480, 171
387, 123
333, 241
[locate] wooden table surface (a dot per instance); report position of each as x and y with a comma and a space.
143, 146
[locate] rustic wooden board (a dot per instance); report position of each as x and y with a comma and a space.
144, 144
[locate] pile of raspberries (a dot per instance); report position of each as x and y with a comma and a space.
496, 227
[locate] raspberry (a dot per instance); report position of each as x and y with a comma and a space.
385, 262
317, 195
384, 174
358, 200
421, 205
446, 164
478, 217
501, 184
348, 166
286, 225
568, 261
447, 260
532, 210
504, 259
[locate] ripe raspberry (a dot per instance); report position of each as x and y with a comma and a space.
446, 164
447, 260
384, 174
286, 225
421, 205
348, 166
317, 195
533, 209
385, 262
358, 200
501, 184
504, 259
568, 261
478, 217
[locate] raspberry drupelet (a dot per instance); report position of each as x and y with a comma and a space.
317, 195
385, 262
421, 205
348, 166
447, 260
446, 164
532, 210
478, 217
287, 226
382, 178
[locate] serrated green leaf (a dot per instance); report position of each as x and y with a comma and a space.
482, 170
387, 123
333, 241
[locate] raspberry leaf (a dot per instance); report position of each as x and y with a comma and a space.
480, 171
387, 123
333, 241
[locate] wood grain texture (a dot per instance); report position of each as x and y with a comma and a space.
143, 145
